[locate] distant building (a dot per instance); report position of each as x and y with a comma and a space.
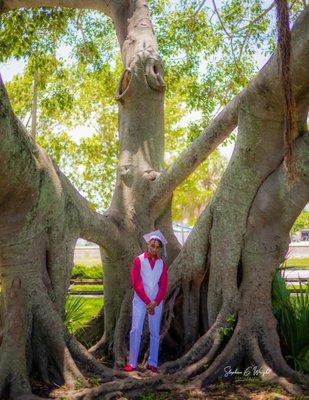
181, 232
304, 234
301, 236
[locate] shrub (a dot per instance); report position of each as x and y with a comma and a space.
87, 272
292, 314
74, 312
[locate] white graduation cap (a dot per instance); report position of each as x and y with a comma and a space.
156, 235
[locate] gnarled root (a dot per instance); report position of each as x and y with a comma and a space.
245, 344
130, 387
207, 344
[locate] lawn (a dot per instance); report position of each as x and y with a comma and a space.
297, 262
296, 288
87, 288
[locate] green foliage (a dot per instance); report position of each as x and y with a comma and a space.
73, 312
251, 382
207, 61
182, 381
220, 385
302, 222
79, 384
200, 186
292, 313
226, 331
255, 382
24, 32
94, 381
80, 310
87, 272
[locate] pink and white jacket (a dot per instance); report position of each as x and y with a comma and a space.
149, 278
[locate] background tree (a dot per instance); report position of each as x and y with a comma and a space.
202, 81
301, 222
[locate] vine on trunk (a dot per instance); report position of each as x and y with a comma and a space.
290, 127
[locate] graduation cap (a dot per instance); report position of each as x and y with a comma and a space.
158, 236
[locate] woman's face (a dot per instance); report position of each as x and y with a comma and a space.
153, 247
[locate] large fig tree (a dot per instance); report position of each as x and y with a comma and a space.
219, 280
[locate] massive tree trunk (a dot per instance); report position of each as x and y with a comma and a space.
223, 271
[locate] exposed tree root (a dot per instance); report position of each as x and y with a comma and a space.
230, 357
101, 348
271, 344
239, 347
122, 327
53, 335
13, 369
89, 362
269, 375
130, 387
202, 346
197, 367
190, 307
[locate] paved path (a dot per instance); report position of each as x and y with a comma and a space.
295, 273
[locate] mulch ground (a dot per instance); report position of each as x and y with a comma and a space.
247, 388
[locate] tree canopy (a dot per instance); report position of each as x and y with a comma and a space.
210, 54
218, 306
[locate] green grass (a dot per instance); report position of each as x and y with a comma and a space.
296, 286
87, 272
88, 288
297, 262
292, 314
91, 307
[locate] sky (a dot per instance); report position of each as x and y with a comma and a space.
11, 68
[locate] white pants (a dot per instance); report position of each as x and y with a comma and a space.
138, 316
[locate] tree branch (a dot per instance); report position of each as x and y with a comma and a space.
90, 225
270, 106
220, 19
95, 227
190, 158
100, 5
200, 7
274, 199
191, 261
257, 18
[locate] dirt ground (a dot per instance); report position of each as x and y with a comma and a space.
238, 388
